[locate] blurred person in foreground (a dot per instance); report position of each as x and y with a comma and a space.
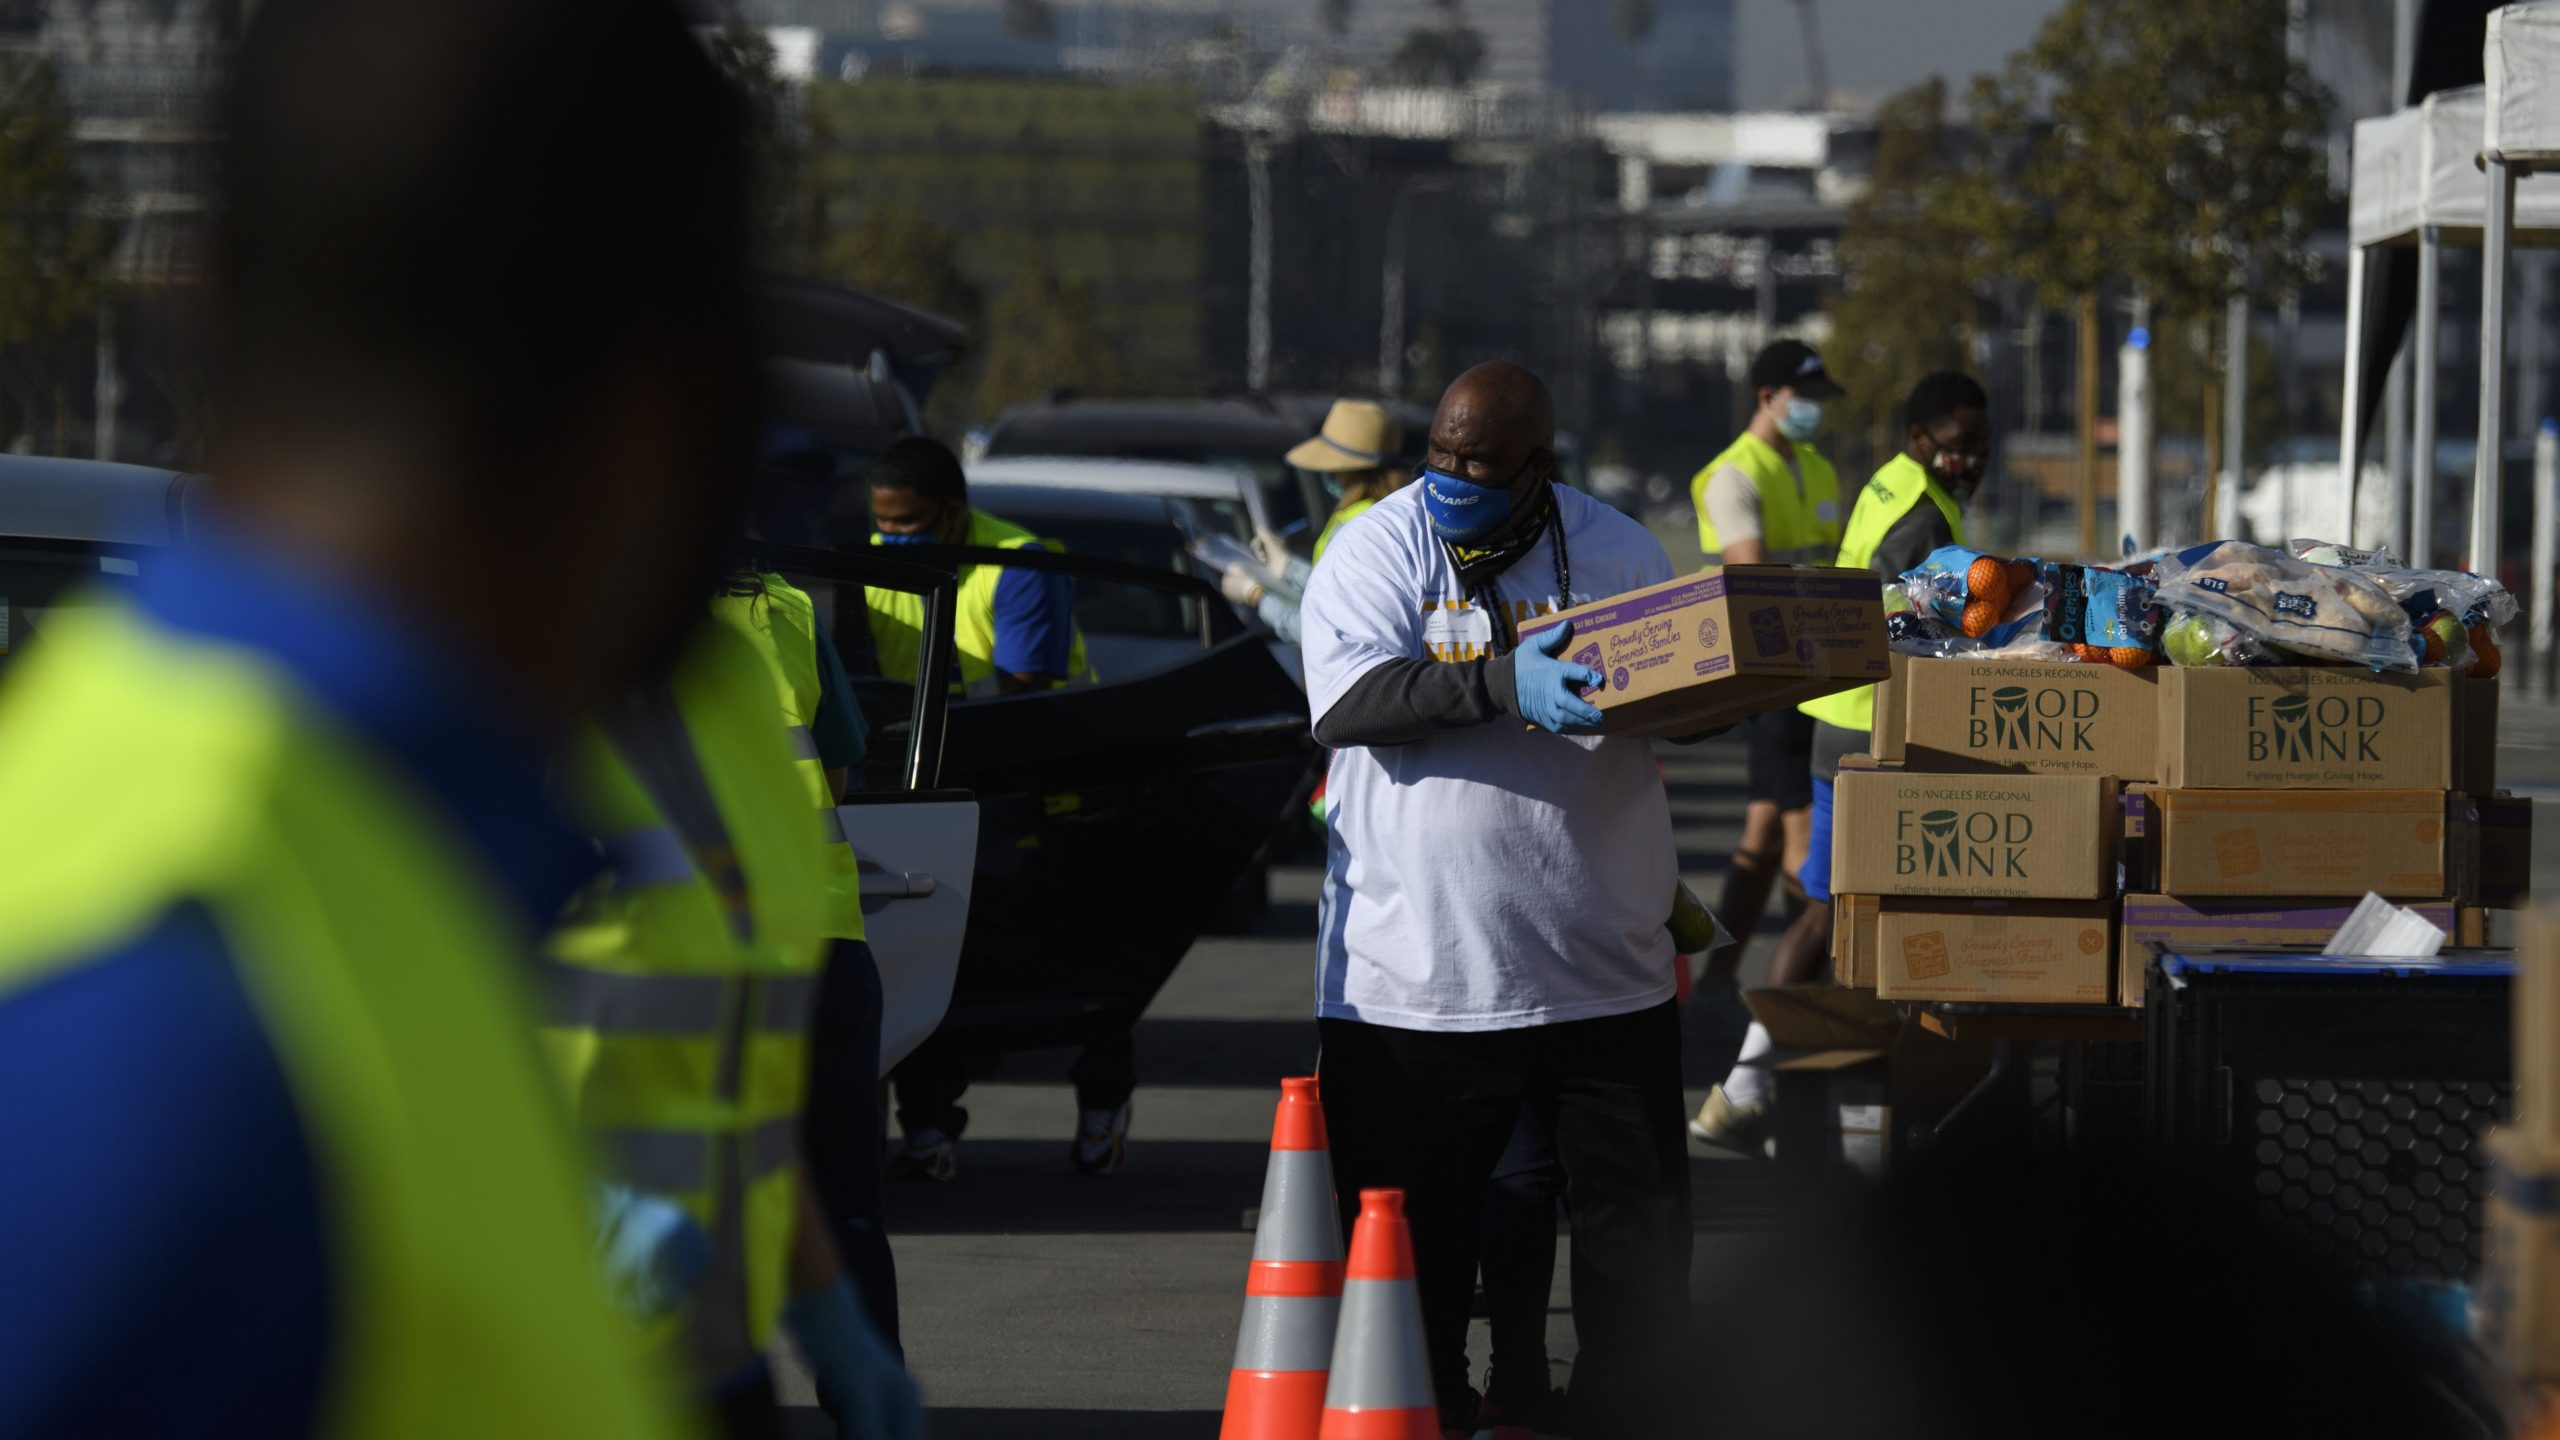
1771, 498
680, 991
1911, 506
278, 847
1491, 935
1015, 634
1354, 453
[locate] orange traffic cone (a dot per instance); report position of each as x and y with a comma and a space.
1294, 1290
1381, 1384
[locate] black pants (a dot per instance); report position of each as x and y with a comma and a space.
1432, 1112
1518, 1257
841, 1124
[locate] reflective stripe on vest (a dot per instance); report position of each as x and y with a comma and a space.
1798, 526
1882, 503
384, 972
671, 1162
676, 1032
897, 617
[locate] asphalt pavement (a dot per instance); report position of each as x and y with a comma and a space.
1038, 1303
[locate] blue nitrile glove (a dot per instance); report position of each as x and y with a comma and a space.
1546, 687
649, 1252
861, 1385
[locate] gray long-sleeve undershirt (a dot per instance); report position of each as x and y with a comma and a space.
1400, 701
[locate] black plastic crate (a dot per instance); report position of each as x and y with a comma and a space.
2346, 1100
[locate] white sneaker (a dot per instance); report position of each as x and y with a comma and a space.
1102, 1142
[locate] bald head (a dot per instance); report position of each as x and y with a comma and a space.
1496, 426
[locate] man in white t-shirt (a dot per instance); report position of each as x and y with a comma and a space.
1496, 886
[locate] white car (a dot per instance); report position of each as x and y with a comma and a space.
1230, 501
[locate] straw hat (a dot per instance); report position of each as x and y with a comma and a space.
1356, 436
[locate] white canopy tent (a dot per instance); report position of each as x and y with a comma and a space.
2520, 137
2416, 181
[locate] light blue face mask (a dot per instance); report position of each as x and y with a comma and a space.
1802, 417
1462, 510
1333, 486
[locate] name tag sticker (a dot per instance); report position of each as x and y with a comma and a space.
1444, 627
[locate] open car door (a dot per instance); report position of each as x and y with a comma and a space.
917, 843
1120, 809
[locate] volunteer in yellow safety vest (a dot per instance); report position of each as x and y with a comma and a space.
1770, 498
283, 1163
1355, 455
679, 990
1015, 629
842, 1127
1912, 506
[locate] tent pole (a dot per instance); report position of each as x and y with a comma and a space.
2351, 398
2497, 235
2422, 433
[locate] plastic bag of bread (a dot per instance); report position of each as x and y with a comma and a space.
2323, 614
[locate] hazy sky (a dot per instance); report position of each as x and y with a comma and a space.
1875, 47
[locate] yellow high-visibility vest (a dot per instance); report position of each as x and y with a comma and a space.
1797, 528
143, 768
780, 623
897, 617
678, 1020
1889, 496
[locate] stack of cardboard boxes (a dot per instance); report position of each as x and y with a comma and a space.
2027, 832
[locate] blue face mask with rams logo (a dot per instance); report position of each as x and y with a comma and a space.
1462, 510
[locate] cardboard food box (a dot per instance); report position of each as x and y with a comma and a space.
2400, 844
1853, 940
2475, 756
2033, 719
2010, 837
1708, 650
2506, 851
2203, 923
1893, 710
2517, 1299
1992, 950
2306, 727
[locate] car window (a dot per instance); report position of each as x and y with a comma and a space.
1082, 629
40, 580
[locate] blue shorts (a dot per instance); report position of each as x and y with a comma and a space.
1815, 873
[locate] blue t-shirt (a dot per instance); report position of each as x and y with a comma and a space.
1035, 623
165, 1255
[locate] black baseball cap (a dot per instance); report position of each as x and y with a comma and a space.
1792, 365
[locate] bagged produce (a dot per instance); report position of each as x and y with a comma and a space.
2196, 640
2321, 613
1983, 597
2104, 616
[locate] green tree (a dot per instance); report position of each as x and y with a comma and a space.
897, 251
776, 151
55, 249
1911, 276
2171, 150
1046, 334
